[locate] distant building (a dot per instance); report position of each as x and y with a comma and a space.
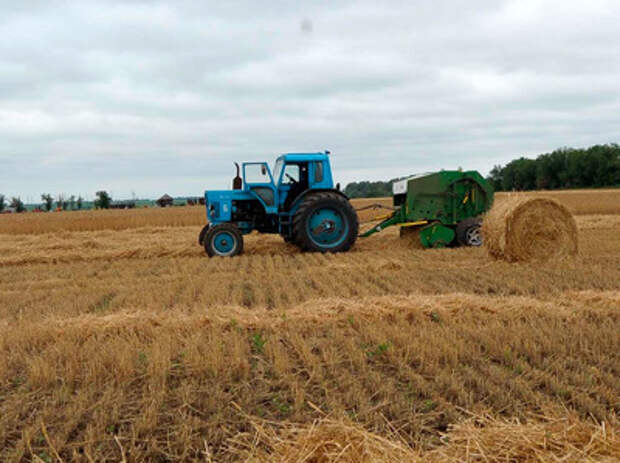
165, 201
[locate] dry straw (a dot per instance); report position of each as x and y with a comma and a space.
410, 237
479, 439
324, 441
523, 229
567, 439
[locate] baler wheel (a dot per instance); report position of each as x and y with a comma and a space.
325, 222
468, 232
223, 240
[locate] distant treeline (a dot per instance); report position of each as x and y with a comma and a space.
369, 189
594, 167
597, 166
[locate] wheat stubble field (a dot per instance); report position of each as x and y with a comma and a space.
121, 341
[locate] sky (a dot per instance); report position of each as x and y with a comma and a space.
143, 98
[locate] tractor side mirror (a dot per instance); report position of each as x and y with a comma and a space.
263, 171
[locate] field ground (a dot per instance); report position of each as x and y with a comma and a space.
120, 339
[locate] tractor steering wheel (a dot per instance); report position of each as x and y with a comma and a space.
291, 178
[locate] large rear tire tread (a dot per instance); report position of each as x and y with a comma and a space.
308, 206
201, 236
223, 227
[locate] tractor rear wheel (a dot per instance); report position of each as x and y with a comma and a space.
468, 232
325, 222
223, 240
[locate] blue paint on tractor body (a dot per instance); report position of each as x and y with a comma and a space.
268, 199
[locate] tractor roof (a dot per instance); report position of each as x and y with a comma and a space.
321, 156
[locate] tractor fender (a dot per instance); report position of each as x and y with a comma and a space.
310, 191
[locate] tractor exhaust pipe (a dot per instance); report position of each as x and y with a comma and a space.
237, 184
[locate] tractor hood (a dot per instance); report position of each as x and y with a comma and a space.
220, 203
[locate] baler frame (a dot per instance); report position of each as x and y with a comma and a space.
422, 207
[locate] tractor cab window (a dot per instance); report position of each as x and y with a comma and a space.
291, 174
318, 172
256, 173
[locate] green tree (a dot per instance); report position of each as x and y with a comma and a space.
2, 202
48, 201
365, 189
61, 202
495, 177
80, 202
596, 166
17, 203
103, 200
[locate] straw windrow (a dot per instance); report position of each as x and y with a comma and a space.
479, 439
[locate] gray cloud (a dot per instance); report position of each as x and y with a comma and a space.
163, 96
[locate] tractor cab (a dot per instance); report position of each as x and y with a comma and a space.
293, 175
268, 201
297, 173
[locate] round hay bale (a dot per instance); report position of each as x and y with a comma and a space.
523, 229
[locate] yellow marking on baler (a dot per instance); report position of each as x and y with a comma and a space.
465, 198
413, 224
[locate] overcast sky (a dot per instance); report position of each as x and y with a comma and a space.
152, 97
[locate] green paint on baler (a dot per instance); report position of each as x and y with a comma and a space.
436, 236
443, 199
448, 196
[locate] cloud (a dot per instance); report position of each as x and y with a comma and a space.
153, 97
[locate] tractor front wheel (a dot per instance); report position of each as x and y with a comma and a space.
201, 236
223, 240
325, 222
468, 232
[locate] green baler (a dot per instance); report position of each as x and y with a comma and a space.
444, 207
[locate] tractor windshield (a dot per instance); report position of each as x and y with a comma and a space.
277, 170
256, 172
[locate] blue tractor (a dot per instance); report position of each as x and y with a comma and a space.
298, 201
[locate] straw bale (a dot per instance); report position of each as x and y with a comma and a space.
524, 229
